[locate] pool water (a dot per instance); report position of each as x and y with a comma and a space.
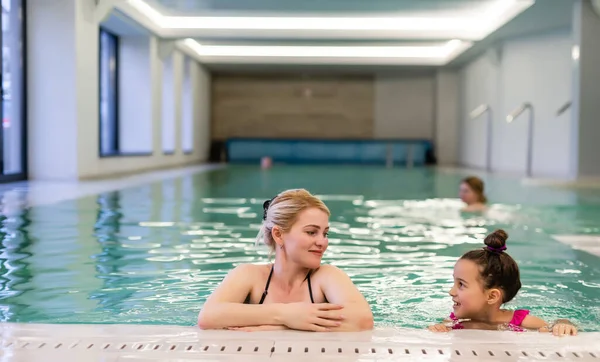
152, 254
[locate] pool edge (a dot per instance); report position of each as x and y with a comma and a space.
114, 342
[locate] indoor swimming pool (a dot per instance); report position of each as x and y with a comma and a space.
151, 254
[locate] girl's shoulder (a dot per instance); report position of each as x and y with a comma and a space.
518, 317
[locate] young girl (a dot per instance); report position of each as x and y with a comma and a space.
484, 279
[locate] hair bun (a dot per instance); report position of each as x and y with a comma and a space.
497, 239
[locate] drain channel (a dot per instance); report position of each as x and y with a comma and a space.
269, 349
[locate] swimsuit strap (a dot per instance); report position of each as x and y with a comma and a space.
518, 317
309, 288
456, 324
514, 324
264, 294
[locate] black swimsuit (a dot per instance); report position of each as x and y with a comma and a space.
264, 295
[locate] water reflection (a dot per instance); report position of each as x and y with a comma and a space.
152, 254
14, 253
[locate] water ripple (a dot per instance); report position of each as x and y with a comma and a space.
152, 255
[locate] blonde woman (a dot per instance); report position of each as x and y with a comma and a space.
295, 291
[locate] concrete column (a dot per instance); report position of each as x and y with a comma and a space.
168, 106
201, 110
52, 96
447, 112
187, 108
586, 88
178, 70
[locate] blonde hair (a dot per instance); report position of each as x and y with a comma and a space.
283, 211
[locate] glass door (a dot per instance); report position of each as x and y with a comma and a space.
13, 151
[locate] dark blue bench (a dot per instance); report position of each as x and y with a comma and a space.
313, 151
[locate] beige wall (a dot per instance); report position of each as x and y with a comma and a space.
63, 87
292, 106
447, 117
404, 107
422, 105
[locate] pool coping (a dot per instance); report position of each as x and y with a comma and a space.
37, 193
117, 342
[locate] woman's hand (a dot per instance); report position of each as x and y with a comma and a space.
439, 328
258, 328
311, 317
561, 328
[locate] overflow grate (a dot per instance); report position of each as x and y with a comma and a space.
307, 349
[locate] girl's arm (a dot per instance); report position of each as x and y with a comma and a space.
559, 328
339, 289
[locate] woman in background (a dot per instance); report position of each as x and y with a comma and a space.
471, 192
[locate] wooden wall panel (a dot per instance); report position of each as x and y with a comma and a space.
292, 106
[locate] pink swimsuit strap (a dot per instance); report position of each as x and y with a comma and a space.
456, 323
514, 324
517, 319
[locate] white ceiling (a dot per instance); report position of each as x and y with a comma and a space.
321, 7
342, 32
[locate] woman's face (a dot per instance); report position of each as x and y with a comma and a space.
467, 195
307, 240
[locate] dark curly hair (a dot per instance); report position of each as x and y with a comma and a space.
497, 268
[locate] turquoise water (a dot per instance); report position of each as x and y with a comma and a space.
151, 254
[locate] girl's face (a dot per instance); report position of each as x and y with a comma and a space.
467, 195
468, 295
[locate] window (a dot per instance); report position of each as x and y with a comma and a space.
109, 95
13, 146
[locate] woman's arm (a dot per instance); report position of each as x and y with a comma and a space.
259, 328
339, 289
225, 306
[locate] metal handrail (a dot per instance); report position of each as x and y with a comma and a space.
564, 108
476, 113
511, 117
389, 156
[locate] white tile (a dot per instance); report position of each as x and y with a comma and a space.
29, 356
137, 343
204, 358
19, 195
587, 243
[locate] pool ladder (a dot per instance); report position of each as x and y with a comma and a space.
389, 156
476, 113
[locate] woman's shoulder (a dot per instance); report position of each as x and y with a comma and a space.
328, 270
250, 269
479, 207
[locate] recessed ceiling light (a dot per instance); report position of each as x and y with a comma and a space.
435, 54
459, 24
